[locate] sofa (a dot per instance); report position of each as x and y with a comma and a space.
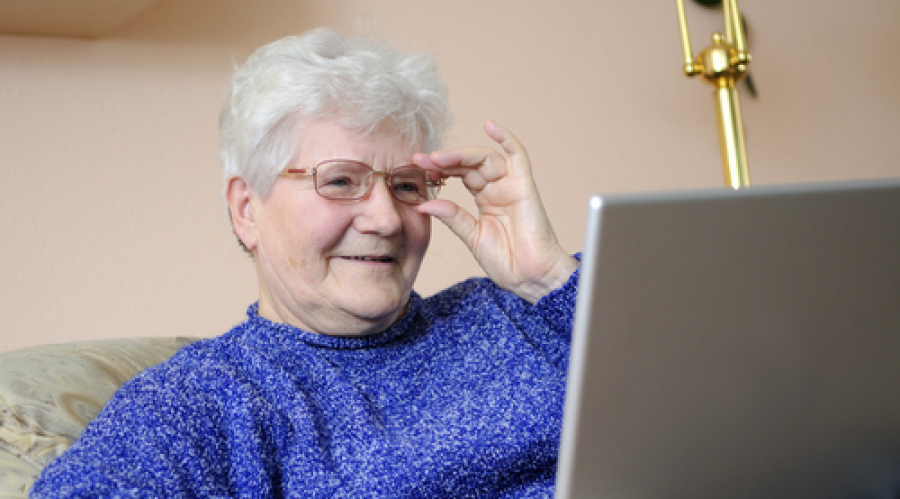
48, 394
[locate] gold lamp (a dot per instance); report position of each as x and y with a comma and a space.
723, 64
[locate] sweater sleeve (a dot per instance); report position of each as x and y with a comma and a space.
151, 440
161, 435
546, 324
129, 450
557, 309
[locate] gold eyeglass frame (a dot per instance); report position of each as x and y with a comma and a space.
388, 177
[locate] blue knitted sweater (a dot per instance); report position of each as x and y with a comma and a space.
462, 397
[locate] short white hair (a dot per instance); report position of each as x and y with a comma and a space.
322, 74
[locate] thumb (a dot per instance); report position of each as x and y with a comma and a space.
458, 220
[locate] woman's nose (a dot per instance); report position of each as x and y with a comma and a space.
378, 212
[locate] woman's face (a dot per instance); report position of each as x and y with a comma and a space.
332, 267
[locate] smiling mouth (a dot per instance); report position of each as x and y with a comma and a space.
379, 259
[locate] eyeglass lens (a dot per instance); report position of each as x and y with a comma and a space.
344, 180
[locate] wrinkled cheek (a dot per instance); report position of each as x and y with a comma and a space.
416, 248
297, 262
306, 252
425, 238
423, 234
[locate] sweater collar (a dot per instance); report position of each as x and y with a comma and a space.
287, 332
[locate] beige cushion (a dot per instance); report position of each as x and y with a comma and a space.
48, 394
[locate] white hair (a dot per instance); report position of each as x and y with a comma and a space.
322, 74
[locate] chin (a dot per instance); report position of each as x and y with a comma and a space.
379, 306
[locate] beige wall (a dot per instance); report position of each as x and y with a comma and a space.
111, 213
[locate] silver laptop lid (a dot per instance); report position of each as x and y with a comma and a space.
737, 344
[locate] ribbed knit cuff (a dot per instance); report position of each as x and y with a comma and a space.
558, 306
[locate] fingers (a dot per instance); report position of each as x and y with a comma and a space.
480, 166
477, 167
511, 145
456, 162
509, 234
458, 220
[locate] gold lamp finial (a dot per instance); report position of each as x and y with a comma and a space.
723, 64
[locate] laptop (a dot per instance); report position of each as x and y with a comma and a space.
738, 344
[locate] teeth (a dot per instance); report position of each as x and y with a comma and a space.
372, 258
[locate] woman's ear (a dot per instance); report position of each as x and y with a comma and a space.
239, 197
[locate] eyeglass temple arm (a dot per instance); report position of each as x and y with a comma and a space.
311, 171
297, 171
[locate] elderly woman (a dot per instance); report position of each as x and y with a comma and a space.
343, 382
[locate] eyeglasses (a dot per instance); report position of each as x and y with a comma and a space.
348, 180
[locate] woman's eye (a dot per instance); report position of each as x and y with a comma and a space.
339, 186
407, 186
337, 182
